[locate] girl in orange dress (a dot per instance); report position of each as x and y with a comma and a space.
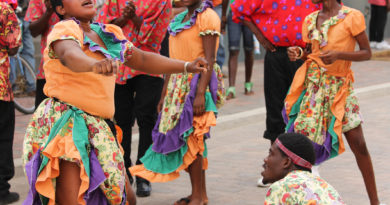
188, 104
321, 103
70, 144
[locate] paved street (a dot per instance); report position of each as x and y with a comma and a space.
237, 149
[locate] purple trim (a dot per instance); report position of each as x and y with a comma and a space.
322, 151
32, 168
173, 139
93, 195
206, 4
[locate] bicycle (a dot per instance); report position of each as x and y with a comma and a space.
24, 101
23, 78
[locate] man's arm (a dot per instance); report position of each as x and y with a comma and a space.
41, 25
225, 4
259, 35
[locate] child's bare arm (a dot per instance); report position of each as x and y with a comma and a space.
364, 52
71, 55
156, 64
209, 45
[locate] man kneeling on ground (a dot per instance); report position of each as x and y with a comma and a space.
288, 168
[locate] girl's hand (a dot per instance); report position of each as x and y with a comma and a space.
129, 10
329, 57
199, 104
197, 66
160, 104
293, 53
105, 67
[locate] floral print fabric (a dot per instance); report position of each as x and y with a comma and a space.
155, 15
314, 116
100, 138
10, 37
36, 9
302, 188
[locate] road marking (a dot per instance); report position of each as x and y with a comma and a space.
253, 112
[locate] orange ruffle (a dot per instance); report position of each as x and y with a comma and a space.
195, 143
60, 147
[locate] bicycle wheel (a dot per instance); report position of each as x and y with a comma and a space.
23, 99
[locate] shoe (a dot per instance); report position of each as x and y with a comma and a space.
261, 184
231, 93
143, 188
248, 88
373, 44
383, 45
11, 197
315, 170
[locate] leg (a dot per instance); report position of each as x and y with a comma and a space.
148, 93
381, 22
196, 175
221, 49
358, 146
123, 117
28, 54
249, 58
39, 95
7, 170
373, 24
278, 74
234, 35
68, 182
131, 199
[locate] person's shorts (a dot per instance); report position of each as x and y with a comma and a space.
235, 31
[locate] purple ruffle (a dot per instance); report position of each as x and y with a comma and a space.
173, 140
93, 195
206, 4
322, 151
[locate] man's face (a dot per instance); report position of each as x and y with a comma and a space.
274, 165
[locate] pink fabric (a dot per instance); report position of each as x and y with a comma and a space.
378, 2
295, 158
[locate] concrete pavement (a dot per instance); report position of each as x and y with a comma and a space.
237, 149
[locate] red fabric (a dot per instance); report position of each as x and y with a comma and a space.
156, 15
295, 158
280, 21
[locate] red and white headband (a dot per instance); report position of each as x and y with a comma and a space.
295, 158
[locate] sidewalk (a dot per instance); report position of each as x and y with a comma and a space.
237, 149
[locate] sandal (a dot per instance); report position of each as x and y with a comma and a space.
231, 93
249, 88
186, 200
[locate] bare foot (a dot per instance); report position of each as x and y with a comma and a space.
249, 92
205, 199
196, 202
230, 96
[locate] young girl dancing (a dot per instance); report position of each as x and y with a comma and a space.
70, 149
321, 103
188, 104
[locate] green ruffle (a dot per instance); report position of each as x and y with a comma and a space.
168, 163
335, 140
294, 111
114, 50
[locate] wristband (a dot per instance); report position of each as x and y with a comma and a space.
185, 67
301, 53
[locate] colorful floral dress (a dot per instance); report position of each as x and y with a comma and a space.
73, 129
10, 37
302, 188
321, 103
155, 15
179, 136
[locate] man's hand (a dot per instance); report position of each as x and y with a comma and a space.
49, 8
129, 10
329, 57
293, 52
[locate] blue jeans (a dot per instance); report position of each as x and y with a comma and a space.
235, 31
221, 48
28, 54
